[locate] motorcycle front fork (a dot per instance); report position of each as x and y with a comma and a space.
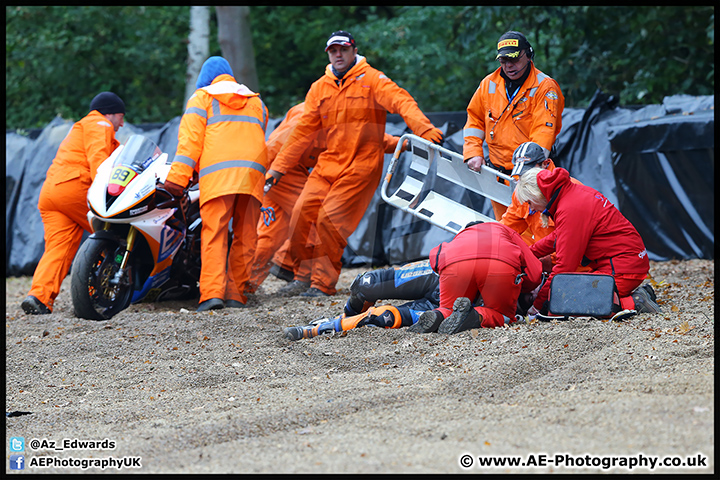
132, 235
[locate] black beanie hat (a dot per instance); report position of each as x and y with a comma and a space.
107, 102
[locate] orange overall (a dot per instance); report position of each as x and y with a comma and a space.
533, 115
222, 137
272, 238
351, 113
63, 200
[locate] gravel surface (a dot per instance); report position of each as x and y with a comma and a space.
223, 391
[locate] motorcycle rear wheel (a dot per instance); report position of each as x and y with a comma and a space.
94, 296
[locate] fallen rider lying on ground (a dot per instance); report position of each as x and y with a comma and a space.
415, 281
419, 283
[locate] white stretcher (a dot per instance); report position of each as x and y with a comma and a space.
417, 195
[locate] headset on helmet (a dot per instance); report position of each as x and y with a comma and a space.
530, 51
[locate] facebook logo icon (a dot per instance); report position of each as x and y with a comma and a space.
17, 462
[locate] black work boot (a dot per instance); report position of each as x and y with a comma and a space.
313, 292
464, 317
645, 301
211, 304
281, 273
293, 289
33, 306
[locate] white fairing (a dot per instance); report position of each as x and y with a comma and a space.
138, 189
151, 222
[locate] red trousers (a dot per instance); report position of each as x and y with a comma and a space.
224, 274
63, 208
493, 279
626, 284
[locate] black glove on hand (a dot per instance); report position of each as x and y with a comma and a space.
174, 189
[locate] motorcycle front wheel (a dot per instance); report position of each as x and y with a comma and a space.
96, 293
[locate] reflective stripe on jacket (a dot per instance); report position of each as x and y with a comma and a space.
222, 138
534, 115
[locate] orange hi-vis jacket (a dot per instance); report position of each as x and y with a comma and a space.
351, 116
221, 111
533, 115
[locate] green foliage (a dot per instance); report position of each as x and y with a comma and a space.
289, 44
642, 54
58, 57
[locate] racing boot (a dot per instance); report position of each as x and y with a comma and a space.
311, 331
427, 322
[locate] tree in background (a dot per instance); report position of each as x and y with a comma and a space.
59, 57
198, 47
236, 44
290, 46
640, 54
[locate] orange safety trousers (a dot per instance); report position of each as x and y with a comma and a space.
493, 279
272, 238
63, 209
498, 209
335, 210
225, 271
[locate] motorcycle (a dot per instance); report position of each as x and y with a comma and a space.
145, 244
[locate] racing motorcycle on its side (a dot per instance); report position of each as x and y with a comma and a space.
145, 244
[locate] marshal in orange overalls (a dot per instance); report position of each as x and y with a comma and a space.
222, 138
534, 114
351, 113
272, 241
63, 200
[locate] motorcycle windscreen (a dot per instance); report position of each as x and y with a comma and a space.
139, 152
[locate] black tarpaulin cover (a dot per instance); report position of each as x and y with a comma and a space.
655, 163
